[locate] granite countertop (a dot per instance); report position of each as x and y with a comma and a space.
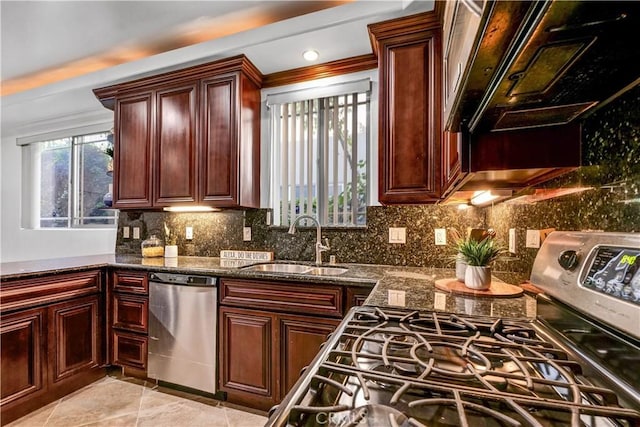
418, 283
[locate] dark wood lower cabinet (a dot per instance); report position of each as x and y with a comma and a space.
50, 350
300, 340
130, 350
75, 341
21, 346
249, 362
263, 353
128, 298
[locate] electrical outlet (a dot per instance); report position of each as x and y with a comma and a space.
533, 239
126, 233
136, 232
189, 233
397, 235
246, 234
441, 236
396, 298
512, 240
439, 301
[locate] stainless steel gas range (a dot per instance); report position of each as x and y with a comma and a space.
576, 364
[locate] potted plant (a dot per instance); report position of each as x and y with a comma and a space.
479, 256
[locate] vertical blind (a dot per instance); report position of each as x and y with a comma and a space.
319, 152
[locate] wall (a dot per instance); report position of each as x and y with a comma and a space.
611, 159
223, 230
20, 244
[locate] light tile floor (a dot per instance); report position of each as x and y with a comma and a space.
129, 402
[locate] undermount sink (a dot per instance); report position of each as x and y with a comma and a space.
327, 271
297, 269
279, 268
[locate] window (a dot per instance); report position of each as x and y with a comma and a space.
71, 181
319, 158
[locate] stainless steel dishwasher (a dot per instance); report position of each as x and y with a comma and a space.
182, 330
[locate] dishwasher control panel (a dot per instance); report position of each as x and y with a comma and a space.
183, 279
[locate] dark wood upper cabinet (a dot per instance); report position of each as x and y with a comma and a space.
195, 132
230, 150
409, 55
175, 163
133, 151
452, 159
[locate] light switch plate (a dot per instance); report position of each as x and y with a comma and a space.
246, 234
441, 236
188, 233
512, 240
397, 235
126, 233
136, 232
396, 298
533, 239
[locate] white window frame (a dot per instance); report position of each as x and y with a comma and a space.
30, 203
315, 89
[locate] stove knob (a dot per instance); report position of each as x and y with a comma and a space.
568, 260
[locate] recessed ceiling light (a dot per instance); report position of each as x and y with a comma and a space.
310, 55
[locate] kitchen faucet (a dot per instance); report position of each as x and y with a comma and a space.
319, 246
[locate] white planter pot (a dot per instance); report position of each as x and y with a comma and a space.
478, 278
171, 251
461, 268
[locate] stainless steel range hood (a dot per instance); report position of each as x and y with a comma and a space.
544, 63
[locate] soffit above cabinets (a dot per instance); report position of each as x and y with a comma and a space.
547, 63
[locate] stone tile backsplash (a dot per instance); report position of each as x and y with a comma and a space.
216, 231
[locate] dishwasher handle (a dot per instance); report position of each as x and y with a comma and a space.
183, 279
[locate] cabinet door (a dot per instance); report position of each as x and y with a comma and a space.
219, 147
452, 156
133, 152
301, 338
131, 312
410, 119
130, 350
249, 357
356, 296
22, 369
175, 161
75, 337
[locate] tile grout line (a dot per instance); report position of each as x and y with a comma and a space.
226, 416
54, 409
140, 402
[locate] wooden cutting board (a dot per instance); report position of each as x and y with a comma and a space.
496, 289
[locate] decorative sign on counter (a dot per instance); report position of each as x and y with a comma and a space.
247, 255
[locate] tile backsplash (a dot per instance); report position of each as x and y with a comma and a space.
611, 159
216, 231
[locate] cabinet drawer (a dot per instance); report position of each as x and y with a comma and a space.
290, 297
130, 282
131, 312
130, 350
33, 292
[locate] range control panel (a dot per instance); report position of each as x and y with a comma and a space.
614, 271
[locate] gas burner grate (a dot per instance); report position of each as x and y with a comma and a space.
434, 365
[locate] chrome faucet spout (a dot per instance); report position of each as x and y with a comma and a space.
319, 246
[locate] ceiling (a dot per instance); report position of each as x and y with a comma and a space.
54, 52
